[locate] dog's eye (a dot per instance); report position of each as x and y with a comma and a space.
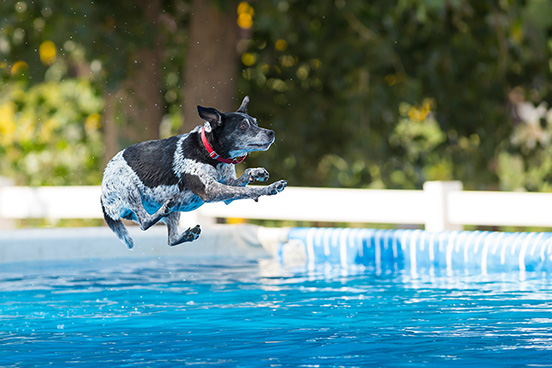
244, 125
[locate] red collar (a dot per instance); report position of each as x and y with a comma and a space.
215, 155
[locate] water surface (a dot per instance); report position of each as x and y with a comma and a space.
161, 312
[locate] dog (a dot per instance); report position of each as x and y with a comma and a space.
155, 180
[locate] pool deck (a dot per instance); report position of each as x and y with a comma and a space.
22, 245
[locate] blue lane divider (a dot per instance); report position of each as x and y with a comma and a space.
419, 250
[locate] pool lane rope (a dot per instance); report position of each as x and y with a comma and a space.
418, 250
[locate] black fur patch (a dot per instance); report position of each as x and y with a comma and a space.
194, 183
152, 161
193, 148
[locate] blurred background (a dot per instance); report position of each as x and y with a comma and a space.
364, 94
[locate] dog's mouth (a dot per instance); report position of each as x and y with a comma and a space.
260, 146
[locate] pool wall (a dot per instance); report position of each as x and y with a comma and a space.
479, 252
99, 242
418, 250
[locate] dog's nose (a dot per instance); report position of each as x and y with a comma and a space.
270, 134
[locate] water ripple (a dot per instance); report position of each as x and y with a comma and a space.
172, 312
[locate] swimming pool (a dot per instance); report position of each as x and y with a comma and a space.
174, 311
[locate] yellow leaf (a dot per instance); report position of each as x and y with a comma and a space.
92, 122
245, 8
19, 67
281, 45
245, 21
47, 52
7, 122
248, 59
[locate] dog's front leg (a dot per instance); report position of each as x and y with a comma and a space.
212, 191
249, 176
221, 192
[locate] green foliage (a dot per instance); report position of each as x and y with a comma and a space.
361, 94
49, 133
57, 61
418, 135
527, 163
105, 32
331, 78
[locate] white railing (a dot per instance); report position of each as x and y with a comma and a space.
439, 206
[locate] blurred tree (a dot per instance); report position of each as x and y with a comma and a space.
379, 93
212, 59
40, 141
140, 89
133, 51
335, 78
110, 44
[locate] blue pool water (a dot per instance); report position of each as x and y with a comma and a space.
234, 313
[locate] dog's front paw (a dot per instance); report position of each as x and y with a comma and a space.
258, 174
276, 187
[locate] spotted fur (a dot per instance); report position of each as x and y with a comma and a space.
155, 180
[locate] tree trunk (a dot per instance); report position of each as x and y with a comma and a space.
138, 101
145, 98
145, 79
109, 127
212, 61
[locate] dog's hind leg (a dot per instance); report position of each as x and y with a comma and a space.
175, 238
144, 219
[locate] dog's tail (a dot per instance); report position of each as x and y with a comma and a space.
118, 228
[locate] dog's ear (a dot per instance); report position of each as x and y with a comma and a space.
210, 115
243, 106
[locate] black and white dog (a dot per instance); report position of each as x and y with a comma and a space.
156, 180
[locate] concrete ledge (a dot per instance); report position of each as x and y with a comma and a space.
23, 245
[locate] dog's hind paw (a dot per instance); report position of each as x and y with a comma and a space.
187, 236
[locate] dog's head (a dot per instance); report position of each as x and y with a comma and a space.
235, 133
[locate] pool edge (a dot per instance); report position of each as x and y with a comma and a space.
21, 245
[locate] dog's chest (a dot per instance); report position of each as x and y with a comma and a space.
153, 198
186, 200
225, 173
189, 203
